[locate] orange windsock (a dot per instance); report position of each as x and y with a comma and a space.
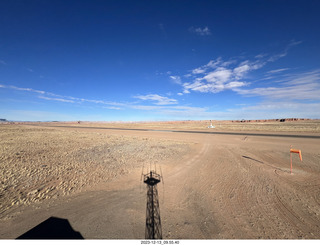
296, 151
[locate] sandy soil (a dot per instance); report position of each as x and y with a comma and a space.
215, 186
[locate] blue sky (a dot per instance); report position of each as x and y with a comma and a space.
159, 60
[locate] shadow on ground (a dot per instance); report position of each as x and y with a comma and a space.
52, 228
252, 159
276, 168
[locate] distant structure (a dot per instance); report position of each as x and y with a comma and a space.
3, 120
153, 221
271, 120
211, 126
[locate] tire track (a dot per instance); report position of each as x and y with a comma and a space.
292, 217
229, 184
307, 192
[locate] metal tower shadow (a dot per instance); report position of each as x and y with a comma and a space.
153, 221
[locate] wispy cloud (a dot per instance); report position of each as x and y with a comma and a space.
113, 108
198, 71
300, 92
202, 69
158, 100
36, 115
56, 99
277, 109
2, 62
260, 56
292, 44
278, 70
304, 86
263, 110
23, 89
176, 79
163, 30
200, 31
276, 104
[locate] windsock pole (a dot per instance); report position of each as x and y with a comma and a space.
294, 151
290, 162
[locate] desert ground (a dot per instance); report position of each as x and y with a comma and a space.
228, 182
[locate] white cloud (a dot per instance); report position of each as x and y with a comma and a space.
211, 87
186, 91
217, 80
220, 75
200, 31
159, 100
198, 71
241, 70
233, 85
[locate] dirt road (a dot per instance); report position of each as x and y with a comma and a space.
226, 187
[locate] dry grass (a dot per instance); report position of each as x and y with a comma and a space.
39, 163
